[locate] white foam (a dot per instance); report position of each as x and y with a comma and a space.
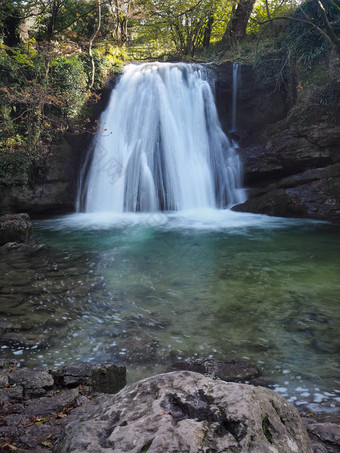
194, 219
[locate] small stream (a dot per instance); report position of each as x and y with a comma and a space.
146, 290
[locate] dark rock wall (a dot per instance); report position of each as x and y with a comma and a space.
52, 192
52, 187
257, 106
290, 153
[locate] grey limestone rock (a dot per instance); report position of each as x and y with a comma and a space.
34, 382
188, 412
325, 436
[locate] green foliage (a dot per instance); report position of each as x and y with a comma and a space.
269, 67
302, 51
11, 17
309, 44
74, 19
109, 58
184, 26
326, 98
14, 165
266, 10
44, 82
24, 56
70, 81
317, 75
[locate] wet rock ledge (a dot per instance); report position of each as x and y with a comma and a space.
15, 228
77, 409
16, 233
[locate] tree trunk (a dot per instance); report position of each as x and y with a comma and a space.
237, 25
93, 69
207, 32
53, 19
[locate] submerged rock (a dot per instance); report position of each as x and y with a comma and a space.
136, 347
185, 411
230, 371
23, 339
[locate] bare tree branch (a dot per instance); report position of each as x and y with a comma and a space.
308, 22
91, 43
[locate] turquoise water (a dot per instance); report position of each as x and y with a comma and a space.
148, 290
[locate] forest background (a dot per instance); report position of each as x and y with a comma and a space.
56, 56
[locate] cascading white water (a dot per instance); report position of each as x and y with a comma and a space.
162, 146
236, 71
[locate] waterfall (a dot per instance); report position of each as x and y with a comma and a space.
236, 72
161, 146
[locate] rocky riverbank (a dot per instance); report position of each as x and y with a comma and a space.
35, 405
74, 409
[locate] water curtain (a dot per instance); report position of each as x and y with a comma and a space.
161, 145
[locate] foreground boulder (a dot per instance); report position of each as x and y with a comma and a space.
15, 228
185, 411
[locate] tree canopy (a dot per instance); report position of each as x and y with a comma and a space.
55, 54
182, 27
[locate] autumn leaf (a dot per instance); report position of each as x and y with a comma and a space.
41, 420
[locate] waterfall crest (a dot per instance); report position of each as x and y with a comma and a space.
162, 146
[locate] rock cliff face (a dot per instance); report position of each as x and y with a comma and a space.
311, 194
290, 153
257, 106
51, 186
46, 191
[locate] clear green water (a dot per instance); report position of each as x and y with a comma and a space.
149, 290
